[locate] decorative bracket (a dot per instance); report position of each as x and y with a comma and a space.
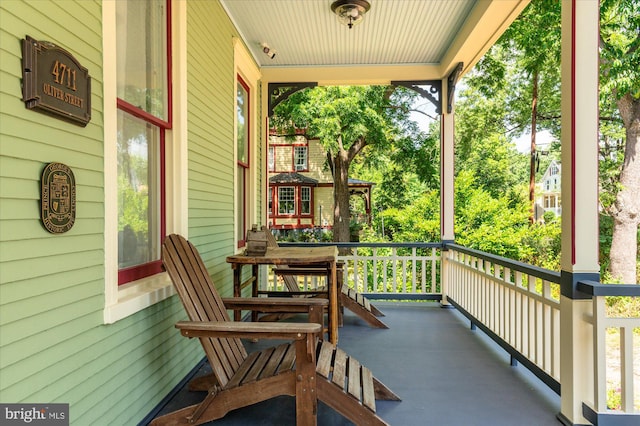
433, 93
278, 92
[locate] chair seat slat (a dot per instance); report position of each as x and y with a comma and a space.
289, 359
323, 366
368, 393
242, 371
354, 387
340, 369
275, 361
258, 366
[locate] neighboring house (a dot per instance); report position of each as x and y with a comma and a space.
301, 186
548, 191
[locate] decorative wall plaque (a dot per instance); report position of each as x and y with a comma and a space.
58, 198
54, 82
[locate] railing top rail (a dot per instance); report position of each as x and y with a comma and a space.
595, 288
542, 273
356, 245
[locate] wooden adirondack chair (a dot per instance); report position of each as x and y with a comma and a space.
307, 369
348, 297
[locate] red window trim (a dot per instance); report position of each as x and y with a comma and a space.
292, 165
293, 160
275, 212
242, 242
137, 272
310, 214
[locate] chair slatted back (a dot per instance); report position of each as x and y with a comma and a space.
202, 303
289, 280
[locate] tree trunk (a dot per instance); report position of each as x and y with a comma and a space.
626, 217
341, 215
532, 163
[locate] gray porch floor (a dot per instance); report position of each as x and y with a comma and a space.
445, 373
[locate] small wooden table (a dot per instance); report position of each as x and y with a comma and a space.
299, 258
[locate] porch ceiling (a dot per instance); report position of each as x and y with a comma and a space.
397, 39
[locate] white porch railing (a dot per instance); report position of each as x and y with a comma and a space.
616, 375
381, 270
515, 303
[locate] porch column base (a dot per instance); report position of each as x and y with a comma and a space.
609, 419
566, 422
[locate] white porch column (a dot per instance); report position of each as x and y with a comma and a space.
446, 185
446, 170
580, 26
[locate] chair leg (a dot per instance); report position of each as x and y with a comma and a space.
306, 392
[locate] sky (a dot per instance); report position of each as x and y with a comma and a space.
523, 143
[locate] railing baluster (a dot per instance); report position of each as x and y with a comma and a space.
374, 286
626, 368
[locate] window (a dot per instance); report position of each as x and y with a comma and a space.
300, 158
246, 126
242, 143
270, 206
144, 116
286, 200
272, 159
305, 200
141, 124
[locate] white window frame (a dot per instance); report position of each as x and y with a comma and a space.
304, 150
127, 299
292, 190
272, 159
303, 201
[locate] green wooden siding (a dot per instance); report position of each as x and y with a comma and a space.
211, 92
54, 346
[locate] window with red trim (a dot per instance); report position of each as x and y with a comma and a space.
286, 200
243, 124
272, 159
144, 116
300, 158
305, 200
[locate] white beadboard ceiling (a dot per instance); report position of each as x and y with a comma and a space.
307, 32
435, 33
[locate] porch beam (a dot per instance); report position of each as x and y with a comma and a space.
580, 28
472, 42
352, 75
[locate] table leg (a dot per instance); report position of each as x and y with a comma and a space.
254, 291
237, 291
333, 305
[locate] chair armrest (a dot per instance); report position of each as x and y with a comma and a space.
274, 304
251, 330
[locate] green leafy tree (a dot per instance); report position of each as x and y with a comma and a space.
620, 101
351, 122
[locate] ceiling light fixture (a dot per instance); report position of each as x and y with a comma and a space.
350, 12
